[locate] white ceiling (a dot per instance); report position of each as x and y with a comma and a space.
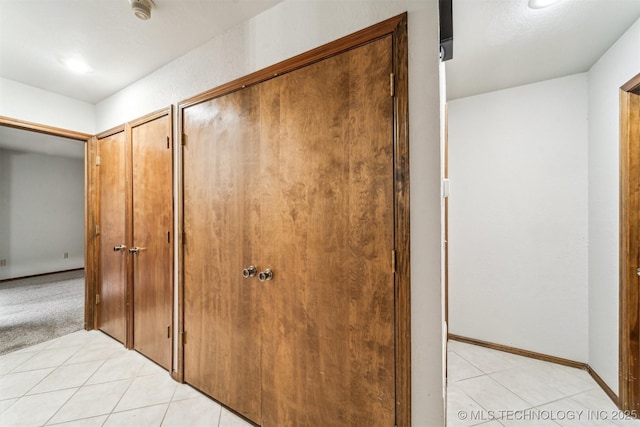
499, 44
36, 35
27, 141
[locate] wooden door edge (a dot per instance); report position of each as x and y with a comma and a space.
397, 28
178, 374
91, 261
166, 111
402, 223
89, 211
629, 321
384, 28
48, 130
128, 234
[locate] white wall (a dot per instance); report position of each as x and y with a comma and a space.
293, 27
518, 217
28, 103
617, 66
41, 213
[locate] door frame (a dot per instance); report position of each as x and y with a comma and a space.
90, 274
629, 330
397, 28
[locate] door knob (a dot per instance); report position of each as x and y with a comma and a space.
265, 275
249, 272
119, 248
134, 250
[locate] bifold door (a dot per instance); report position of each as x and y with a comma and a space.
135, 294
223, 190
289, 244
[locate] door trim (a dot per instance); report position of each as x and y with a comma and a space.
397, 27
90, 261
629, 338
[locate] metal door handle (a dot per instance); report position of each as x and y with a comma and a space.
249, 271
265, 275
119, 248
134, 250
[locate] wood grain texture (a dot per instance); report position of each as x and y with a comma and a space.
276, 220
632, 85
402, 224
152, 229
366, 35
178, 373
221, 190
629, 385
328, 316
91, 251
111, 312
49, 130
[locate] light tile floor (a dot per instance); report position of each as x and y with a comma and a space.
493, 388
89, 379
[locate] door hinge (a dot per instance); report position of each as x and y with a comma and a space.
168, 237
184, 139
97, 160
168, 143
97, 299
168, 331
393, 261
392, 83
97, 229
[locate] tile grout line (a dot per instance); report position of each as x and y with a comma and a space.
120, 399
565, 396
78, 389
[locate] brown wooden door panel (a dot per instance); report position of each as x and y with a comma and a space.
221, 215
112, 284
328, 319
294, 174
152, 206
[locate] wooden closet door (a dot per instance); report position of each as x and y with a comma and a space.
328, 355
152, 211
222, 190
113, 263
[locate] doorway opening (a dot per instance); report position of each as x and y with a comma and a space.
629, 374
42, 233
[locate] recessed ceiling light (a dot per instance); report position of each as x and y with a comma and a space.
77, 66
541, 4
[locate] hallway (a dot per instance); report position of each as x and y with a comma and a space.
485, 385
89, 379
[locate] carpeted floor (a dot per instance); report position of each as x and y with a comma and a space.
38, 309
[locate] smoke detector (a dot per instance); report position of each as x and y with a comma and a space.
142, 8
